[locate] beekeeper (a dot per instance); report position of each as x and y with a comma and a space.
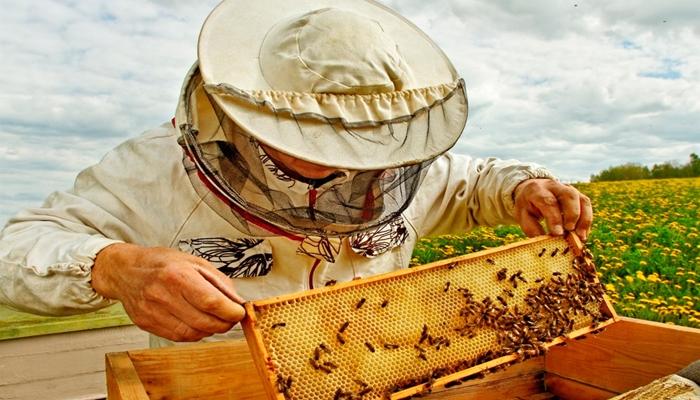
310, 146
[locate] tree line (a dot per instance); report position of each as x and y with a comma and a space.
631, 171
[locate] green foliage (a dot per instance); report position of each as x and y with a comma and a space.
634, 171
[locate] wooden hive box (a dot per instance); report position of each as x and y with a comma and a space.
627, 354
385, 345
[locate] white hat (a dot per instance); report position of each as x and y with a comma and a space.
343, 83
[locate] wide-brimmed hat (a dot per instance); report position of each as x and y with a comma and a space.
342, 83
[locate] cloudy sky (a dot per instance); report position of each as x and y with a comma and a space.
575, 85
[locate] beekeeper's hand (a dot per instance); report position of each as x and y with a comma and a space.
169, 293
562, 207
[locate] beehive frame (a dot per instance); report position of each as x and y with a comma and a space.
352, 340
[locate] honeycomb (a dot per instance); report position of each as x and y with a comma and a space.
369, 338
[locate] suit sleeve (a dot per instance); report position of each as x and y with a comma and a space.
460, 193
47, 253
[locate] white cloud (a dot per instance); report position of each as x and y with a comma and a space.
574, 85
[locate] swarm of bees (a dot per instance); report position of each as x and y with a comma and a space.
546, 312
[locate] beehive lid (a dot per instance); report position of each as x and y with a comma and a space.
403, 333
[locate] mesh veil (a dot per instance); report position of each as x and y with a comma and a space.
228, 162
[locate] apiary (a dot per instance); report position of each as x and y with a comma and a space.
412, 331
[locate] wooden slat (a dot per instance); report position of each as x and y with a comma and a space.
628, 354
213, 371
66, 365
518, 381
258, 351
123, 382
571, 390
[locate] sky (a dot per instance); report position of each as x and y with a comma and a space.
576, 86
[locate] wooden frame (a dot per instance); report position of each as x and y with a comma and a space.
266, 365
627, 354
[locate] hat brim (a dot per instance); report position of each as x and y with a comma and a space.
228, 53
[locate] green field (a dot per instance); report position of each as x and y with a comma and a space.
646, 242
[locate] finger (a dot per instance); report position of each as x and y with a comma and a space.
204, 296
169, 298
570, 205
530, 224
586, 220
164, 324
197, 319
221, 282
548, 205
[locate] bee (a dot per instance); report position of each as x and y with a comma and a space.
566, 250
344, 327
447, 286
364, 391
501, 274
538, 280
554, 253
361, 383
391, 346
339, 337
279, 325
330, 365
542, 252
317, 354
502, 301
369, 346
331, 282
490, 261
360, 303
424, 334
324, 368
325, 348
314, 363
385, 303
509, 292
451, 265
422, 356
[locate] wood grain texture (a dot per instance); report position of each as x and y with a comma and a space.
518, 381
62, 366
628, 354
123, 382
258, 352
222, 370
571, 390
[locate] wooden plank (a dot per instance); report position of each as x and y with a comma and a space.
220, 370
69, 387
571, 390
67, 365
123, 383
259, 353
518, 381
627, 354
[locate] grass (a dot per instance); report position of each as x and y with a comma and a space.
645, 239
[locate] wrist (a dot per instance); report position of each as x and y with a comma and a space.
112, 258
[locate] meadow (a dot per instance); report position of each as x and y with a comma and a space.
645, 239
